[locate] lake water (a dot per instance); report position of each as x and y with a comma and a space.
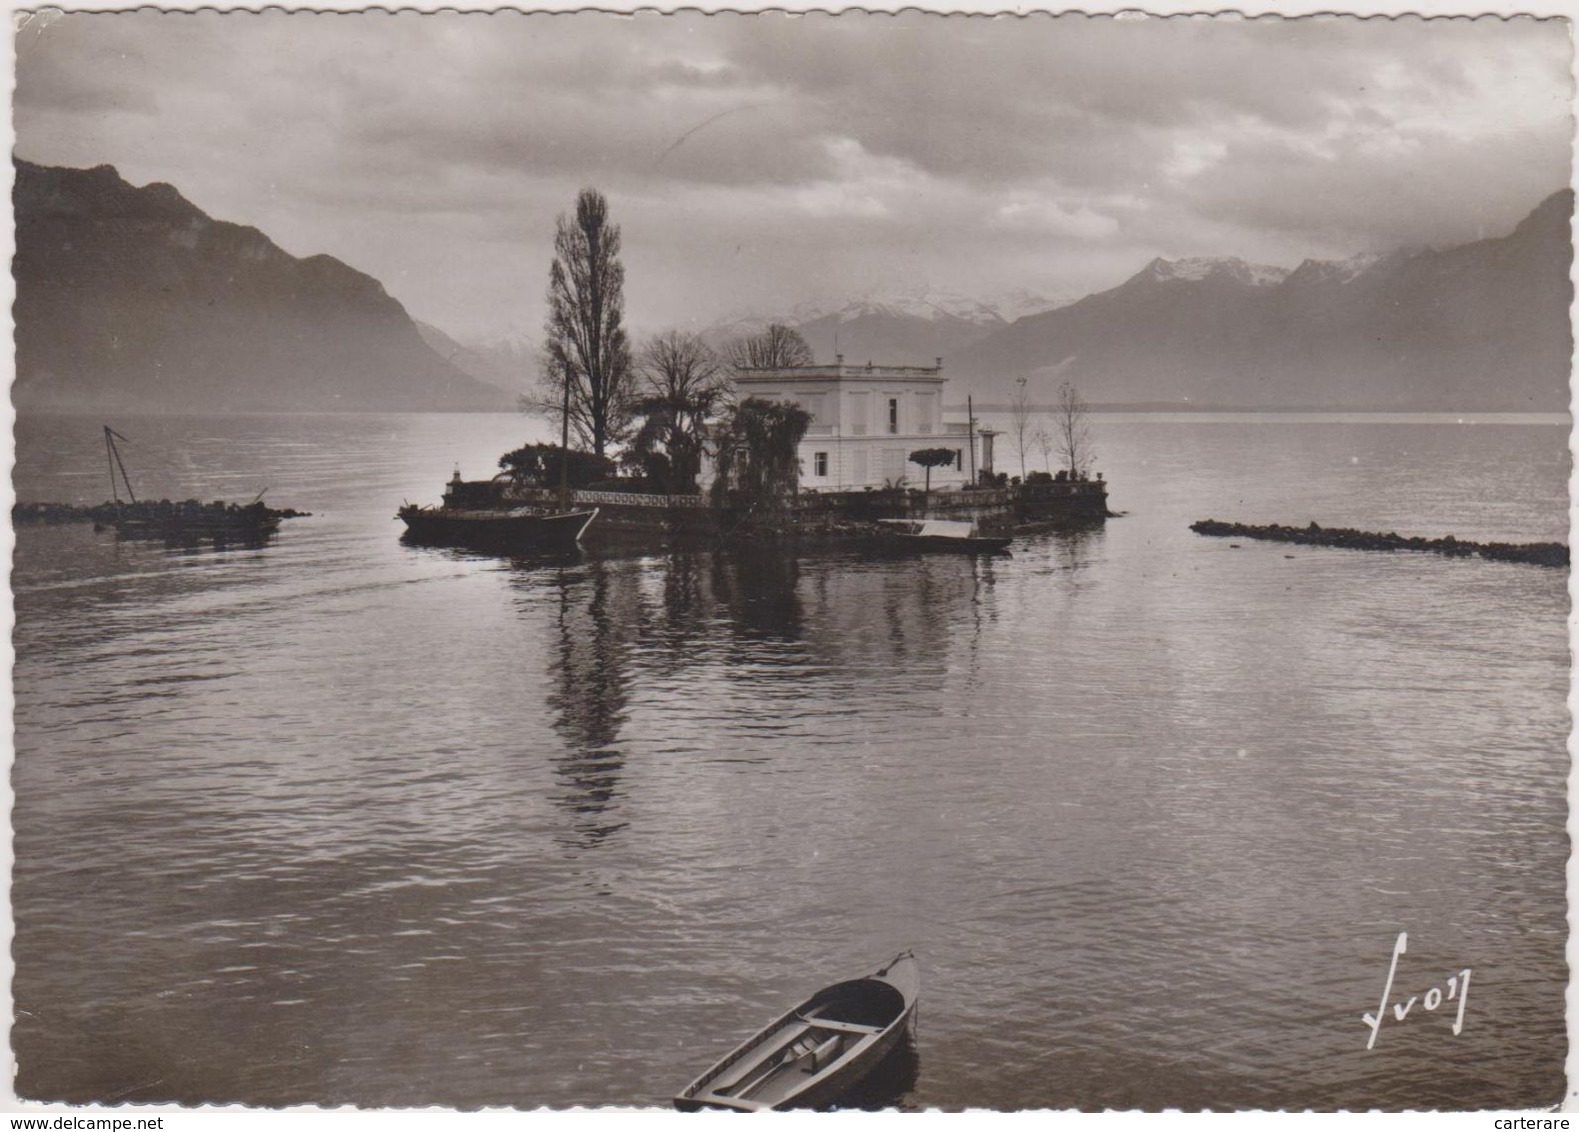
343, 821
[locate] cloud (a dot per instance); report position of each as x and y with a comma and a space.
1028, 211
777, 159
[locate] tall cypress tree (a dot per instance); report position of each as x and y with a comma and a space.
586, 346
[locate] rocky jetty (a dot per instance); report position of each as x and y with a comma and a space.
1533, 553
108, 514
187, 523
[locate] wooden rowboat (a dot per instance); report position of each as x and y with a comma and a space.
811, 1055
946, 535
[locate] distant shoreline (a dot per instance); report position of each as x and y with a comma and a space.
1427, 416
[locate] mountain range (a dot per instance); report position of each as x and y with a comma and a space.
507, 362
1478, 327
913, 327
133, 299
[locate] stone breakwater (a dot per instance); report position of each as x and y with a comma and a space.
1533, 553
108, 514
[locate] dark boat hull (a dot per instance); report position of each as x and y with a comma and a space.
862, 1020
511, 532
930, 544
940, 536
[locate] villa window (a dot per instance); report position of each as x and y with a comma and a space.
893, 416
819, 463
859, 407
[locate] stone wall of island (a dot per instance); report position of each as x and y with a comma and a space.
821, 513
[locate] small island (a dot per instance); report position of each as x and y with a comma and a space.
754, 440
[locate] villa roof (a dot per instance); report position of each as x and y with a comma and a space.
840, 371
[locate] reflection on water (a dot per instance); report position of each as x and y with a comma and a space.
342, 820
757, 587
890, 1082
589, 690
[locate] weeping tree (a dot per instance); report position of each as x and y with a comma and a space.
776, 347
681, 386
1072, 428
756, 465
930, 458
586, 356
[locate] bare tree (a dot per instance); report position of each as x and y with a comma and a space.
681, 387
587, 360
1043, 439
776, 347
1072, 427
1020, 418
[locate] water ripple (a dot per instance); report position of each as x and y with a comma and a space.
343, 821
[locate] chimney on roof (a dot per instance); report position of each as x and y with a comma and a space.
838, 359
940, 361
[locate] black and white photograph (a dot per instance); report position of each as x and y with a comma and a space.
758, 560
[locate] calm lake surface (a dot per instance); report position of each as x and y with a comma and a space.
344, 821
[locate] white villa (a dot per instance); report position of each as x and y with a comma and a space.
865, 422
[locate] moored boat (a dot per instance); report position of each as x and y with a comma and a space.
519, 530
944, 535
811, 1055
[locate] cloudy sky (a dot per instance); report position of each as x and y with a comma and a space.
758, 162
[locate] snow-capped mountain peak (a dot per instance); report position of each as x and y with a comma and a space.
1339, 271
1193, 269
927, 308
912, 326
927, 305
